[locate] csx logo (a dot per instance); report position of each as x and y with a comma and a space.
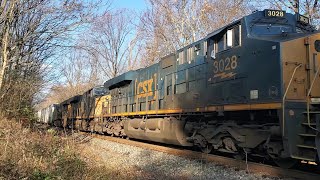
144, 88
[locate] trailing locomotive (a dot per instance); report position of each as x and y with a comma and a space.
251, 87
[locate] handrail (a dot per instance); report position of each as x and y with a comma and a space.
285, 94
308, 99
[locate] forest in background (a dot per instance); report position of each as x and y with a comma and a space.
53, 50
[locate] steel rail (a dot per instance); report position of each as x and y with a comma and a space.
250, 167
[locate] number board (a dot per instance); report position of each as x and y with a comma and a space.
303, 19
274, 13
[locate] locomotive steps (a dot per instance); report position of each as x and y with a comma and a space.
308, 133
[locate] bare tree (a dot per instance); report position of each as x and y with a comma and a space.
112, 41
169, 25
31, 33
7, 19
77, 76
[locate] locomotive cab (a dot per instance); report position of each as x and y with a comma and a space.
270, 60
296, 50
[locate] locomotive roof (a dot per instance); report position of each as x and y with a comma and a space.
222, 29
295, 27
260, 17
121, 80
248, 20
71, 100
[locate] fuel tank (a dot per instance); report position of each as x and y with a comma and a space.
167, 130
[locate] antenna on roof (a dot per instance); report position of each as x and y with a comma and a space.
254, 11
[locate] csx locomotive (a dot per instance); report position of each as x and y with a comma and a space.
251, 87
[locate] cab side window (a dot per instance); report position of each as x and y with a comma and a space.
221, 44
230, 39
181, 57
200, 49
190, 54
236, 37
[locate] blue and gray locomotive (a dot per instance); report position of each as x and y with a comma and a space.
251, 87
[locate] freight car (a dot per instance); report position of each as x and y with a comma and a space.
251, 87
49, 114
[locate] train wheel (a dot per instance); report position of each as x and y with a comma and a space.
285, 163
239, 156
207, 149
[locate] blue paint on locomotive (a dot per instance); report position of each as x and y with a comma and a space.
235, 79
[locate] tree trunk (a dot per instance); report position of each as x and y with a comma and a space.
5, 43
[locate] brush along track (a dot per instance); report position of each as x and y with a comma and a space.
251, 167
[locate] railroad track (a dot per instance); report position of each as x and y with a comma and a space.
250, 167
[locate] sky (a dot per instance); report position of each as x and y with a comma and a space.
137, 5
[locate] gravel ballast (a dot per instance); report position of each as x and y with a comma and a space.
138, 163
